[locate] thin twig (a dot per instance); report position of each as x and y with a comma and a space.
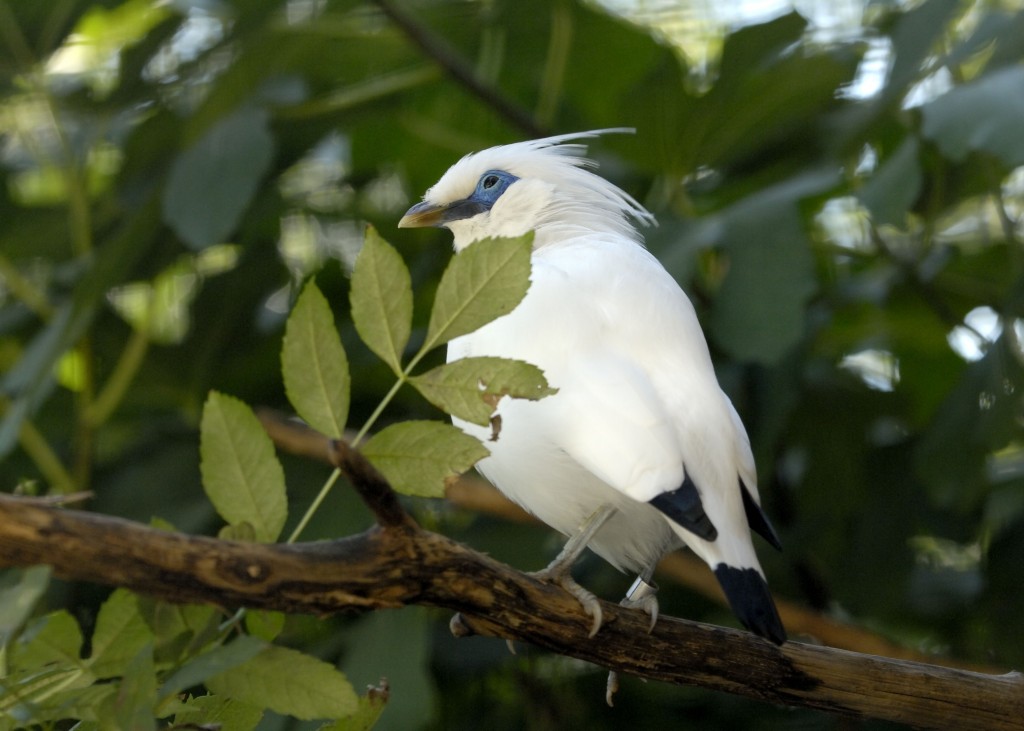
447, 58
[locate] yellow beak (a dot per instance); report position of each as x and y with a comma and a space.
423, 214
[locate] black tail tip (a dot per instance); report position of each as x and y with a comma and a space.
751, 601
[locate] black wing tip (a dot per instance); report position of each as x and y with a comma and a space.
683, 505
751, 601
757, 520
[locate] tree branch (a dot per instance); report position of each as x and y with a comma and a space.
404, 564
472, 493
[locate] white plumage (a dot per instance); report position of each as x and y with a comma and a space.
640, 445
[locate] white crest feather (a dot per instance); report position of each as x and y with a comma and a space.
579, 199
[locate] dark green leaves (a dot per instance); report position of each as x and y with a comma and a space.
759, 311
212, 182
983, 116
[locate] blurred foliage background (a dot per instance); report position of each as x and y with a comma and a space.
839, 186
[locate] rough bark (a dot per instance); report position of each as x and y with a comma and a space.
397, 563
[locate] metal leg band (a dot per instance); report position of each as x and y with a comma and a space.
641, 589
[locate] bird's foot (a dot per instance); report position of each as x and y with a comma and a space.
643, 595
611, 688
558, 573
458, 627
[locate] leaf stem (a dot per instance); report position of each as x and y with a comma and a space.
23, 289
314, 506
383, 404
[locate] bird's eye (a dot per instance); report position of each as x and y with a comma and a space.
490, 181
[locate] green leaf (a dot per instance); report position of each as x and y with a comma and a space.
136, 696
211, 663
54, 639
241, 474
212, 182
381, 298
894, 187
179, 629
19, 593
758, 313
264, 624
213, 711
983, 116
979, 417
121, 633
371, 706
418, 456
314, 366
24, 692
288, 682
914, 38
470, 388
486, 280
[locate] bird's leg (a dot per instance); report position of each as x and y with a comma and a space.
559, 571
643, 594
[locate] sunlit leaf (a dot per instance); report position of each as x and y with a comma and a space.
484, 281
381, 297
470, 388
418, 456
288, 682
241, 474
314, 365
371, 706
213, 711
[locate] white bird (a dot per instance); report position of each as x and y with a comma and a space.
639, 452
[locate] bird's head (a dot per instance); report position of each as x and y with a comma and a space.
540, 185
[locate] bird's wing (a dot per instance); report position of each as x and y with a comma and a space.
757, 519
609, 419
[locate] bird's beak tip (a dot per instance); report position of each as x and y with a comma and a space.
422, 215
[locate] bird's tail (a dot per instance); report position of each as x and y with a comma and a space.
751, 602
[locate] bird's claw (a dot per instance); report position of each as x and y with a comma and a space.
611, 688
591, 604
458, 627
643, 595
